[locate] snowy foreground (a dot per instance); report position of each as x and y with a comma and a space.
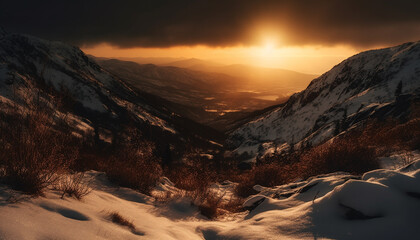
382, 204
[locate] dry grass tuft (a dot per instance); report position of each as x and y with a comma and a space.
215, 206
74, 185
117, 218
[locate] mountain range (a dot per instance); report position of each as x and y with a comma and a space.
252, 78
181, 105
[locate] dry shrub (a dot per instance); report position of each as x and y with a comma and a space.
32, 149
115, 217
233, 205
215, 204
348, 154
190, 177
355, 152
407, 135
75, 185
403, 160
392, 136
133, 165
208, 204
268, 175
273, 174
139, 174
209, 207
195, 181
245, 186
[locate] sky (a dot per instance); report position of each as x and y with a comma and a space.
303, 35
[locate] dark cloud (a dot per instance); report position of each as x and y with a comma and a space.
159, 23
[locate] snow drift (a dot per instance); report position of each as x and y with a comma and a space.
381, 204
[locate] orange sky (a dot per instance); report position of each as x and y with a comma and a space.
269, 48
306, 59
305, 36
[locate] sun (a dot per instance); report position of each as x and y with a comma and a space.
268, 48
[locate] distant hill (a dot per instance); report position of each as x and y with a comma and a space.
270, 80
195, 64
151, 60
259, 77
255, 78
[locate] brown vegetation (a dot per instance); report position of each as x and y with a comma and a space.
348, 154
392, 136
195, 180
133, 165
74, 185
36, 148
32, 148
355, 152
268, 175
117, 218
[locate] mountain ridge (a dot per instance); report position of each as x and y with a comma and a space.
31, 66
361, 86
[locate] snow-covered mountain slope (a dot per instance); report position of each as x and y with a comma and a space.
382, 204
33, 68
32, 65
362, 86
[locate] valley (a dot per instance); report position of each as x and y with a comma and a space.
209, 95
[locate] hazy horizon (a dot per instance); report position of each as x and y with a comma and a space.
308, 60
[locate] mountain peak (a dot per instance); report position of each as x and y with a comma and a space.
358, 88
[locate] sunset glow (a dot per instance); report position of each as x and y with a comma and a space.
307, 59
237, 119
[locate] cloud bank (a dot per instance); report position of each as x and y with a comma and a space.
165, 23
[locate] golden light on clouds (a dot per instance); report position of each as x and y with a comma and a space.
307, 59
267, 48
169, 23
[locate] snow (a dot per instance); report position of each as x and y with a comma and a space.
381, 204
247, 148
206, 155
58, 64
362, 84
215, 143
53, 218
27, 60
85, 94
398, 160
